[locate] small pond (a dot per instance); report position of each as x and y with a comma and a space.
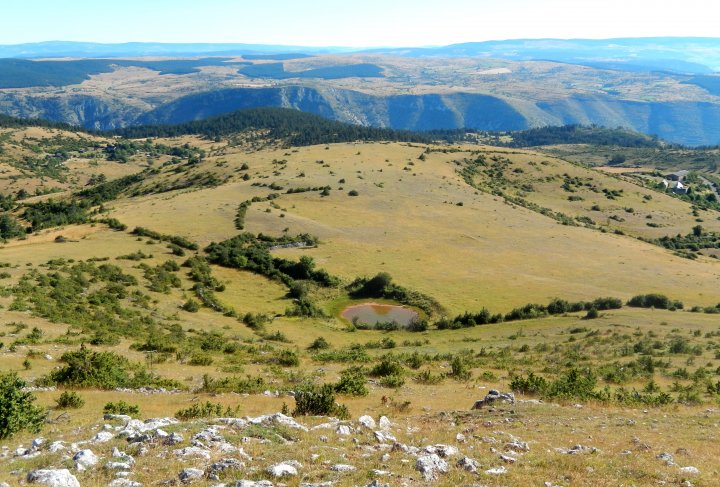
370, 314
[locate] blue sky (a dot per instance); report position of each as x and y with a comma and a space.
350, 23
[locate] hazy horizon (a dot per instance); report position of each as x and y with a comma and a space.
370, 24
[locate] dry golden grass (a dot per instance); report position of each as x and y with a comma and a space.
406, 222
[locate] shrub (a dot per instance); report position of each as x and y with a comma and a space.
353, 192
658, 301
427, 377
393, 381
575, 384
105, 370
352, 382
288, 358
121, 407
417, 325
17, 411
591, 314
533, 384
200, 359
191, 306
460, 369
319, 403
387, 367
319, 344
69, 400
206, 410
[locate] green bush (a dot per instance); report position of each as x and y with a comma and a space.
427, 377
319, 403
200, 359
532, 384
191, 306
393, 381
206, 410
239, 385
69, 400
387, 367
288, 358
319, 344
352, 382
658, 301
84, 368
17, 411
121, 407
460, 369
591, 314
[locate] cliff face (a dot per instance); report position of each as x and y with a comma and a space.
412, 112
691, 123
83, 110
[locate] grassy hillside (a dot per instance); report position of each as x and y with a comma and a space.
217, 268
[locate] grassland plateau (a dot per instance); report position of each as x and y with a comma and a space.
200, 278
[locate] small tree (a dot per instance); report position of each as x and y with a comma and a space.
17, 411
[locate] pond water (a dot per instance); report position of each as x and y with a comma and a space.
373, 313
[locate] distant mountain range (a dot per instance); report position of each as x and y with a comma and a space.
698, 55
58, 49
669, 87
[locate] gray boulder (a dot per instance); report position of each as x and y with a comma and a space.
124, 483
214, 470
494, 396
189, 475
430, 465
53, 478
193, 451
85, 459
284, 469
468, 464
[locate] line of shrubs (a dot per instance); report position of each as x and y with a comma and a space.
529, 311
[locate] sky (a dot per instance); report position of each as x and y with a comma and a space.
366, 23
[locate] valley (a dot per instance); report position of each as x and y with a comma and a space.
393, 90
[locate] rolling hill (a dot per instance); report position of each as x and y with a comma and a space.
198, 273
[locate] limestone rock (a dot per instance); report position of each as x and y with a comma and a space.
496, 471
103, 437
53, 478
430, 465
468, 464
85, 459
367, 421
124, 483
282, 470
214, 470
189, 475
384, 423
443, 451
193, 451
493, 396
173, 439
